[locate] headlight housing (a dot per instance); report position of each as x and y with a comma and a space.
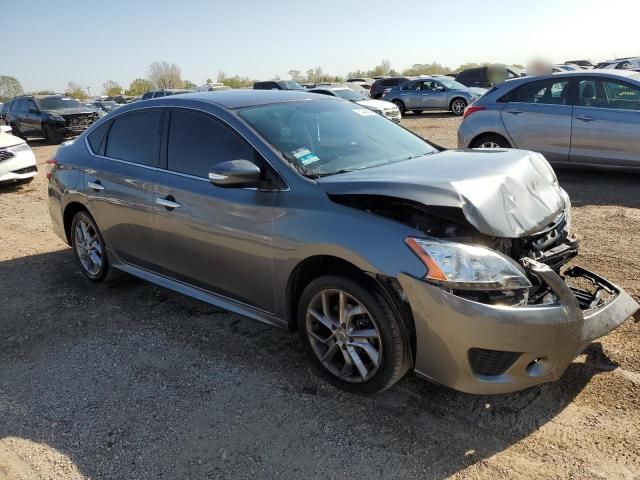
21, 147
458, 266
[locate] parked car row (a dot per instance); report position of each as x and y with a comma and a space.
17, 161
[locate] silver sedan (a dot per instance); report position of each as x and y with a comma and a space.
588, 118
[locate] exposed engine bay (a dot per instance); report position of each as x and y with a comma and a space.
553, 246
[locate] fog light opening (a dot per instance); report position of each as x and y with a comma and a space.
537, 367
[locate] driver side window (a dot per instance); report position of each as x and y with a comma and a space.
410, 86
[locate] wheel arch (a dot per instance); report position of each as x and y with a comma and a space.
489, 134
319, 265
457, 97
70, 211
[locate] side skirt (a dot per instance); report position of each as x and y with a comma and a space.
197, 293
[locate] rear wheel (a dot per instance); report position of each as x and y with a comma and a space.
458, 105
351, 335
89, 248
491, 141
400, 105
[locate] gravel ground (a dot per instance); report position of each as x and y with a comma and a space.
134, 381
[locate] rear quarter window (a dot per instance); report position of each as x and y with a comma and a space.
96, 138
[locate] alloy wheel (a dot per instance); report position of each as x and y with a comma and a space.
400, 106
489, 145
458, 106
343, 335
88, 247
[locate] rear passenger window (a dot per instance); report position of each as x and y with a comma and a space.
197, 142
548, 92
96, 138
135, 137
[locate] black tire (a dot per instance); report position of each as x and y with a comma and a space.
106, 273
417, 112
400, 105
457, 106
498, 141
395, 359
51, 137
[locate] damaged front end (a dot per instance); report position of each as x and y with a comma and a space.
497, 314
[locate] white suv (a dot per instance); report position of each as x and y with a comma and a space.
17, 161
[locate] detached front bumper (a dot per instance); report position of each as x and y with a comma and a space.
485, 349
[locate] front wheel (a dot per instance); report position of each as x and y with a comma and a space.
458, 105
351, 335
491, 141
51, 136
400, 105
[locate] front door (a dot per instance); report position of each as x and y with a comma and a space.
218, 239
606, 123
537, 117
433, 95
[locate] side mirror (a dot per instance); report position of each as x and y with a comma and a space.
5, 128
235, 174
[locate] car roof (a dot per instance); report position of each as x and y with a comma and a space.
233, 99
624, 74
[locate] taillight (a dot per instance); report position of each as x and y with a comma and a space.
50, 165
471, 109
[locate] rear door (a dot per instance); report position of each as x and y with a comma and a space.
218, 239
537, 116
411, 95
119, 183
606, 123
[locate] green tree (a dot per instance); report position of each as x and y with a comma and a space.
139, 86
111, 88
427, 69
76, 91
188, 84
235, 81
9, 87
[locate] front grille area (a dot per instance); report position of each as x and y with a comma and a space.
491, 362
5, 155
25, 170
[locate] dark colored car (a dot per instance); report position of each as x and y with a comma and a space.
165, 92
53, 117
482, 76
307, 212
383, 85
4, 108
278, 85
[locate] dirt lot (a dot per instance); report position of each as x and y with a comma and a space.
133, 381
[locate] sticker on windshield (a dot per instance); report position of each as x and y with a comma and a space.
364, 112
305, 157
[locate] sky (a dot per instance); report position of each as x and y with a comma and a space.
49, 43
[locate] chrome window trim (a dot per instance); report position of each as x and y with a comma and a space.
204, 179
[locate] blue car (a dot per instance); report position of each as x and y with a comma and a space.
437, 92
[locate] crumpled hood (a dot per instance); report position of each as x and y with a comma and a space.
70, 111
502, 193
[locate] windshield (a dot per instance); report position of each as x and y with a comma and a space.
57, 103
324, 137
450, 84
291, 85
349, 94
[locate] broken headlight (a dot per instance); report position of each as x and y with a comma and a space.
458, 266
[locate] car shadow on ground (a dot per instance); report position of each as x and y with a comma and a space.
130, 380
428, 114
600, 187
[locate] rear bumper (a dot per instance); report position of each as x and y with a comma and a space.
486, 349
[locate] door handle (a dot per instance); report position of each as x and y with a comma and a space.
514, 112
403, 94
585, 118
168, 202
97, 186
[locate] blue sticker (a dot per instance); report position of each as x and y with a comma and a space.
305, 157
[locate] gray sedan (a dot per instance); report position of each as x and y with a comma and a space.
437, 92
589, 118
308, 212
